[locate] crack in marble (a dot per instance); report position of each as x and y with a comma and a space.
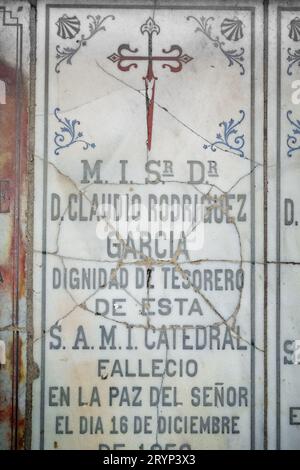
182, 123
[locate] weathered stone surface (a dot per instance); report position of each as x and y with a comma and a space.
165, 235
283, 160
14, 113
149, 344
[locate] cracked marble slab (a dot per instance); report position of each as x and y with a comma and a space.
149, 327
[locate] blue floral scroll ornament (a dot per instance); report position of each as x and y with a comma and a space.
68, 134
234, 56
293, 58
227, 139
292, 140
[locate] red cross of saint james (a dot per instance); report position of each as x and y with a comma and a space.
173, 62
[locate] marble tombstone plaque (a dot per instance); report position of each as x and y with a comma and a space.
158, 300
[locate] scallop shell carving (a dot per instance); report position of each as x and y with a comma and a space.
294, 28
67, 26
232, 29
